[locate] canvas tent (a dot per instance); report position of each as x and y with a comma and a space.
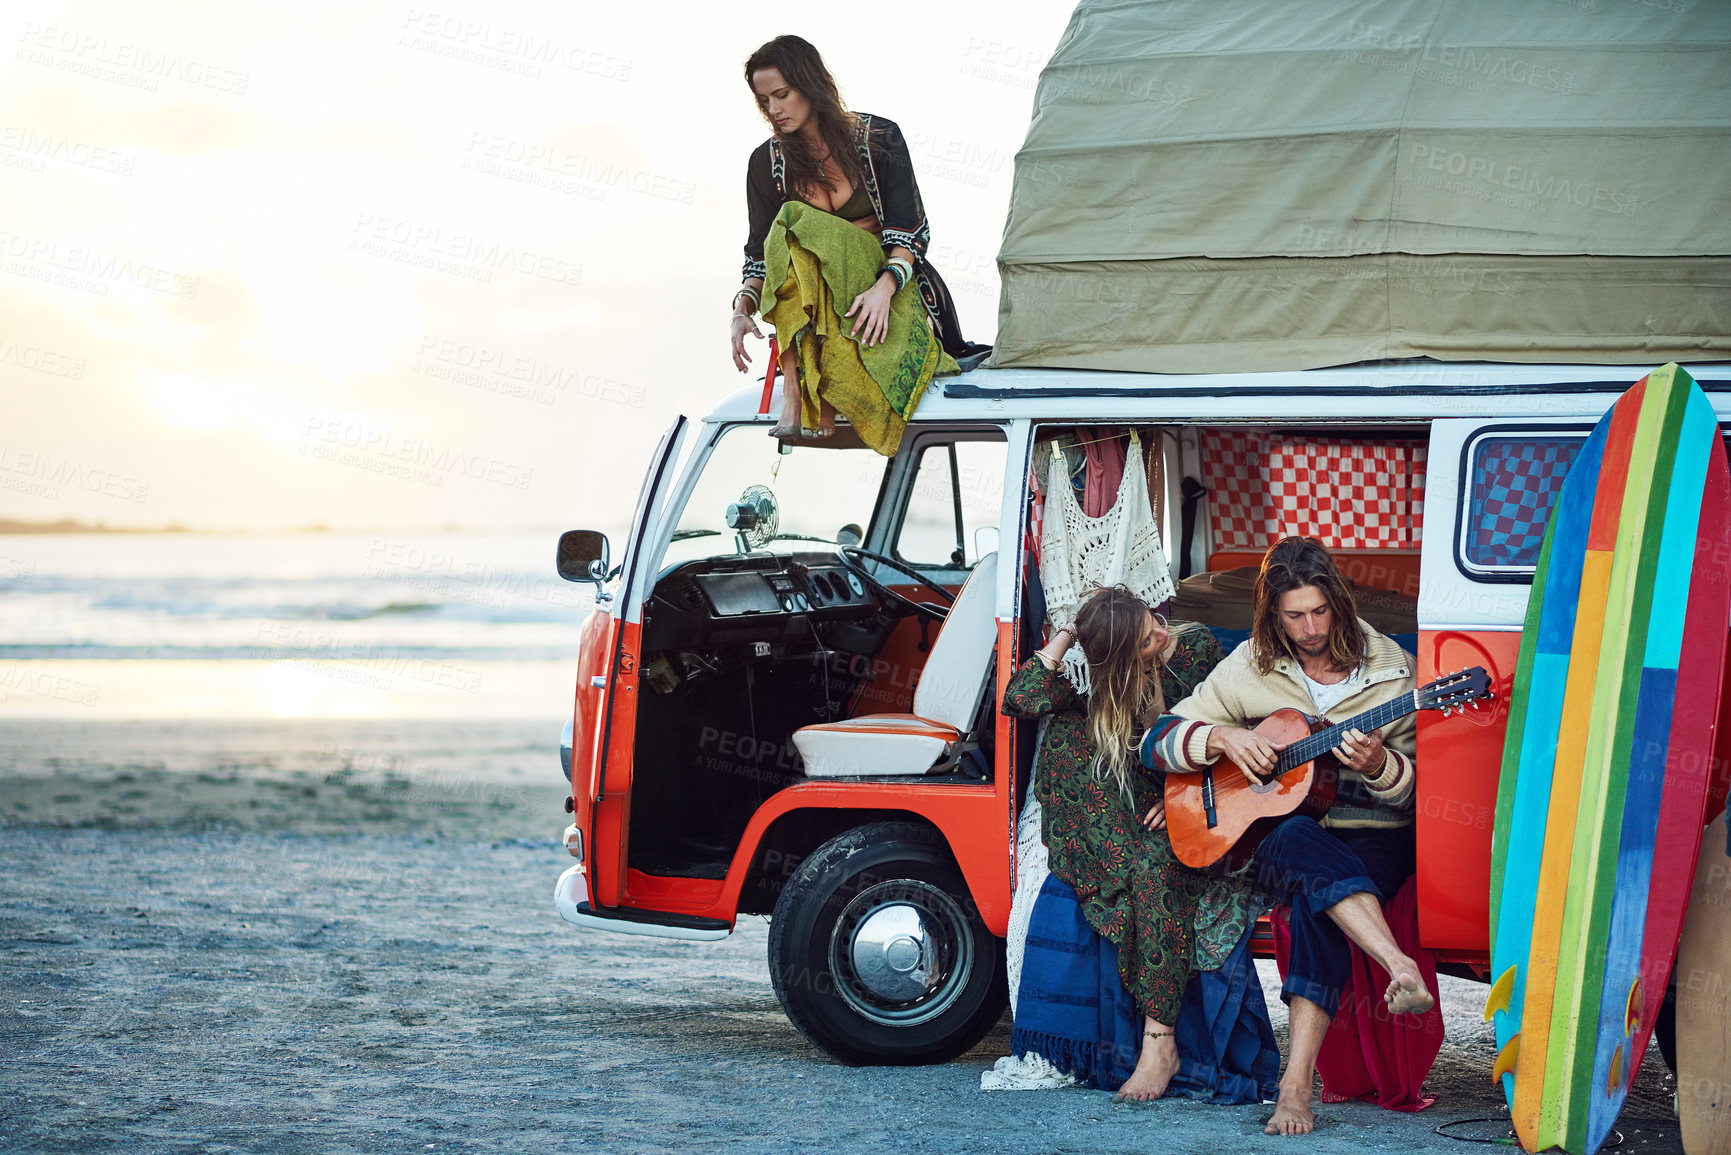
1239, 185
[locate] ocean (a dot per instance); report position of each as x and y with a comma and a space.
334, 625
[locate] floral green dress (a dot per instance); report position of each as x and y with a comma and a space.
1166, 920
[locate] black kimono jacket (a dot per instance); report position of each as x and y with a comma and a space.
895, 197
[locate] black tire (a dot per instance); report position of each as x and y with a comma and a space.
897, 882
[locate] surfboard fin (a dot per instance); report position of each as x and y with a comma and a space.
1632, 1016
1615, 1078
1506, 1059
1501, 991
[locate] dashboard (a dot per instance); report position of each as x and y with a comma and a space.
753, 598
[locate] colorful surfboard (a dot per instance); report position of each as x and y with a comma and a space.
1606, 759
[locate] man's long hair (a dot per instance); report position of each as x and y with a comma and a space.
1109, 627
804, 71
1294, 562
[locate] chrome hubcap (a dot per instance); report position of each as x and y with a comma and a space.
901, 952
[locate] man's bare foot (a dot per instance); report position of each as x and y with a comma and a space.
1406, 993
1154, 1070
1292, 1114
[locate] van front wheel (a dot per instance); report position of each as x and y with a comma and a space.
877, 953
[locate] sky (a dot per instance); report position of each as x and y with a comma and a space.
368, 265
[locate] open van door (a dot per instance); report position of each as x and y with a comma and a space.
607, 788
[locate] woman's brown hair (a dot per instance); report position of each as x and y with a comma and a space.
1292, 563
803, 70
1109, 627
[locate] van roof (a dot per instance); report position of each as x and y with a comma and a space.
1398, 392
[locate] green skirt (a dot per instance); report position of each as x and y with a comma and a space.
818, 260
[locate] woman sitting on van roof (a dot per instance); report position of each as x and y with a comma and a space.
1104, 820
839, 236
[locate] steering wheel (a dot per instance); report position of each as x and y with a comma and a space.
848, 553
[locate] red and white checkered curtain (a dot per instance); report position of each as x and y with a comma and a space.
1347, 494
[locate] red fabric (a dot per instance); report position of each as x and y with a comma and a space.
1368, 1053
1348, 494
1105, 472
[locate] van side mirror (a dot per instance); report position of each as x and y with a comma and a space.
583, 556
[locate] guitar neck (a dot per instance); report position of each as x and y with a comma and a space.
1321, 742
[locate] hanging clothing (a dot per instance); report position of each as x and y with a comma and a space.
895, 201
1105, 458
815, 260
1120, 547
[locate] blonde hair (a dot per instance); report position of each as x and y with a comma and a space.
1109, 628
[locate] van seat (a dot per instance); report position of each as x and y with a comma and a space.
945, 701
1382, 569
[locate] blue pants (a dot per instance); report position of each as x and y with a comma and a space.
1310, 869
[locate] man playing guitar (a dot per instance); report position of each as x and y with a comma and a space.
1308, 650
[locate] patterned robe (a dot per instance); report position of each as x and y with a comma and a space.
1167, 920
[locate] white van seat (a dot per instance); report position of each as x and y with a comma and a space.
944, 701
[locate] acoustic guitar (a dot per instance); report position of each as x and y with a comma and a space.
1216, 819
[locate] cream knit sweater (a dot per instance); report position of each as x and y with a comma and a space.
1236, 693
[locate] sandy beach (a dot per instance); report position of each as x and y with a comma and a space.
339, 936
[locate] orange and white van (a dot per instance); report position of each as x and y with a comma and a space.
786, 700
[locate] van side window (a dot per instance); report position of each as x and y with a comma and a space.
930, 531
1512, 484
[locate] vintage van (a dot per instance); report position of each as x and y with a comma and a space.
786, 700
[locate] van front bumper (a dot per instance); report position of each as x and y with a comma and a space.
571, 898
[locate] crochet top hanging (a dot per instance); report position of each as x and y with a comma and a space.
1078, 552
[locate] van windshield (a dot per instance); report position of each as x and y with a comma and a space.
816, 495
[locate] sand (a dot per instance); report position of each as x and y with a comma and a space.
332, 936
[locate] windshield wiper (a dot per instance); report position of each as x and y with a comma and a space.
688, 534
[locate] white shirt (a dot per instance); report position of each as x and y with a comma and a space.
1329, 695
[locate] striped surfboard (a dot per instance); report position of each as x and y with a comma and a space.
1604, 774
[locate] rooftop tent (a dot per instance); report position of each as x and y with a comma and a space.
1238, 185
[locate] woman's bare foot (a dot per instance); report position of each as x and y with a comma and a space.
1154, 1070
825, 419
1406, 993
1292, 1113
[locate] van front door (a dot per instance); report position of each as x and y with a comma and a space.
609, 786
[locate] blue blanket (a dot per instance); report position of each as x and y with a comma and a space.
1073, 1009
